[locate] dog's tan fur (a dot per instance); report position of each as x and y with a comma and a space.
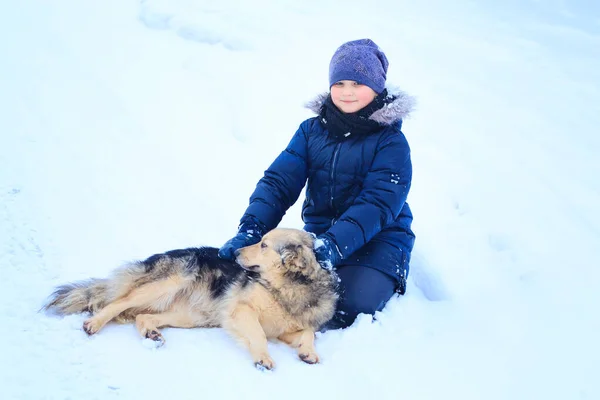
286, 296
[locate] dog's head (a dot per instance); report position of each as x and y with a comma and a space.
281, 252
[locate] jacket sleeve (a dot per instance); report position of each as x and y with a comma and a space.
381, 199
281, 184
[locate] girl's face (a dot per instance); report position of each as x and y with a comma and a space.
350, 96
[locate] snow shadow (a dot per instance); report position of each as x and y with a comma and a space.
199, 26
426, 279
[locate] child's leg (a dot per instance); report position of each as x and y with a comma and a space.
363, 290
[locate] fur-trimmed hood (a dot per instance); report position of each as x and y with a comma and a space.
397, 109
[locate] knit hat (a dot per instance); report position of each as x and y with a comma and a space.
361, 61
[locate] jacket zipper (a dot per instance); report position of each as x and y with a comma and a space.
331, 177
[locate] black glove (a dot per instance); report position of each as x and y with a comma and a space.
249, 233
327, 253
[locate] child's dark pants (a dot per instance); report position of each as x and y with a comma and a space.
362, 290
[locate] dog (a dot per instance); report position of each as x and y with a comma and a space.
275, 289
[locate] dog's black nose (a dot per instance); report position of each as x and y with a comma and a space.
236, 253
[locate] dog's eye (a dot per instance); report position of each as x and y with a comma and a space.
263, 245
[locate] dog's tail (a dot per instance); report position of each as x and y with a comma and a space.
72, 298
93, 294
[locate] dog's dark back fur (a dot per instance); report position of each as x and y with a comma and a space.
204, 264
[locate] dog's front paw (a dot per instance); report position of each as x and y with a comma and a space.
264, 363
91, 326
309, 357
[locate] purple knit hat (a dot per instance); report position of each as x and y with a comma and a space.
361, 61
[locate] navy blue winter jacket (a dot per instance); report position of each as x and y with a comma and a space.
356, 189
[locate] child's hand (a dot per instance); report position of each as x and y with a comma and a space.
249, 233
326, 252
227, 251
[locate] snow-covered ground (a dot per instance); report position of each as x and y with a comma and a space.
131, 127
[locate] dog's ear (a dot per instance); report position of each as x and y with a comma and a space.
289, 255
298, 256
307, 257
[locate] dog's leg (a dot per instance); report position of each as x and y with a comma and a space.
148, 324
244, 326
143, 297
304, 342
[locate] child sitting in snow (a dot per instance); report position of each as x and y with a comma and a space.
356, 163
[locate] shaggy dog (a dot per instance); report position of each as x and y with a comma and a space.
280, 292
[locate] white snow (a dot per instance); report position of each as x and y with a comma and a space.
129, 128
318, 243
